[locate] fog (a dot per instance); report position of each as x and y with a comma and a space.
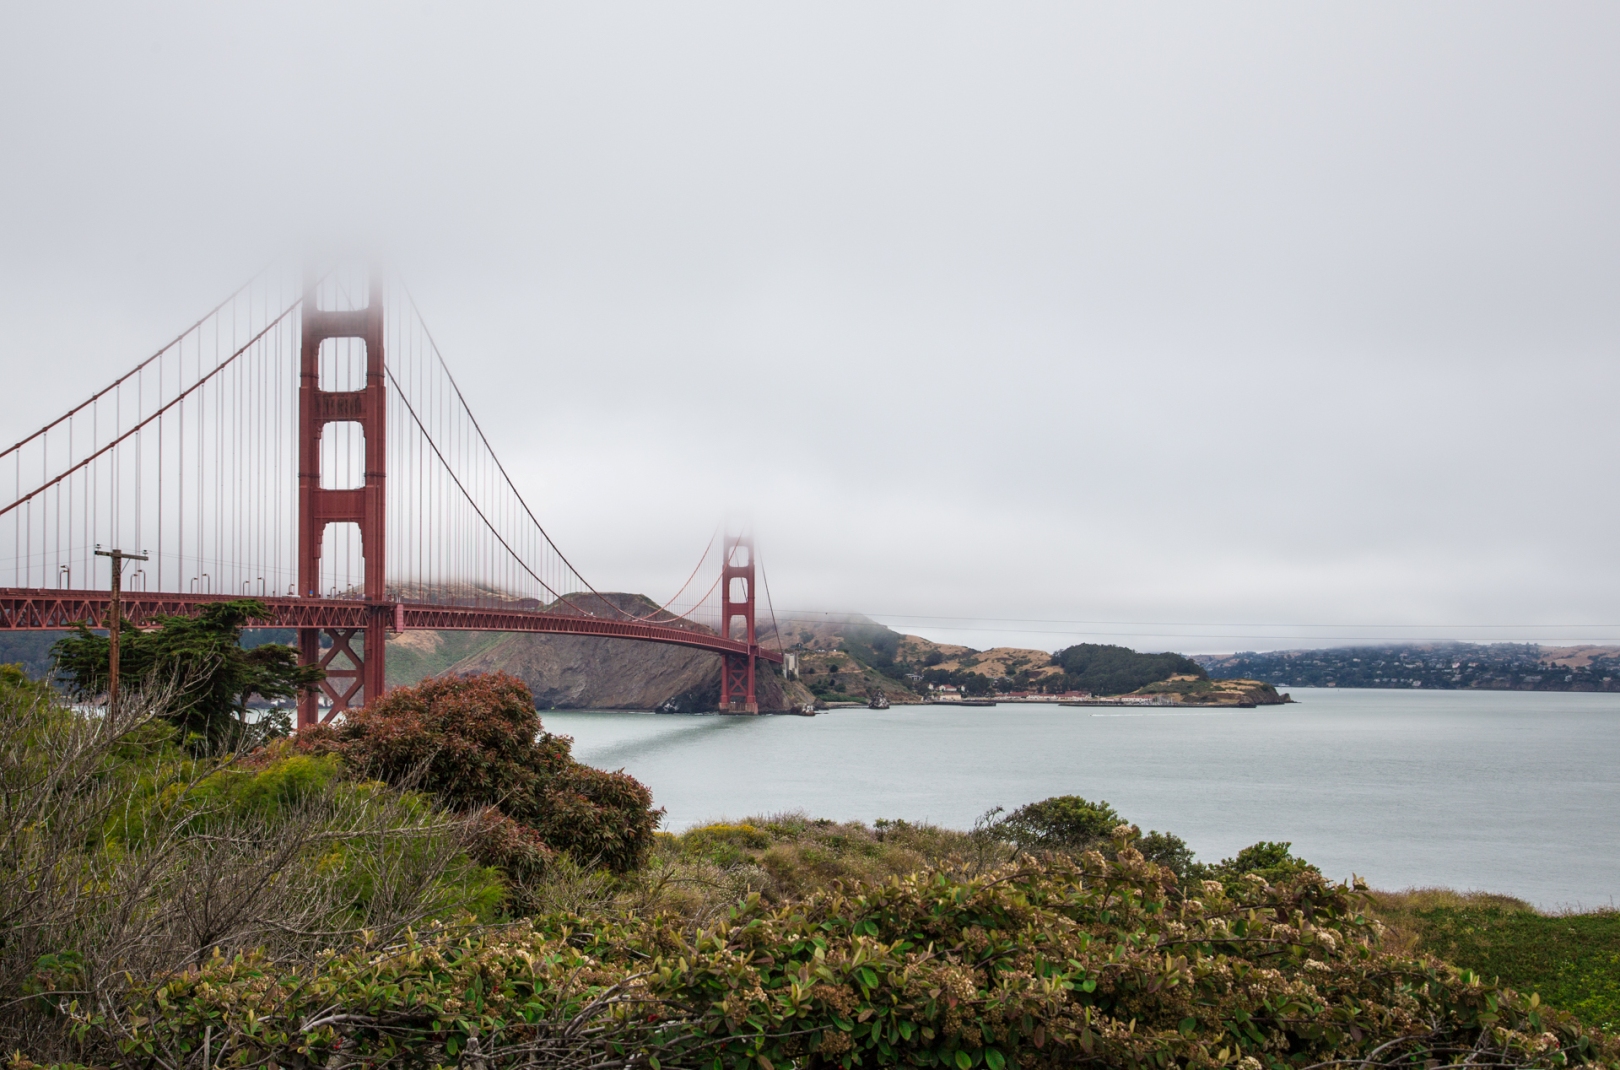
1191, 327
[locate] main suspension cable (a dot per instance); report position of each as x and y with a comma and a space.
456, 387
221, 366
121, 380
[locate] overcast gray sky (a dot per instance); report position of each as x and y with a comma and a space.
1203, 327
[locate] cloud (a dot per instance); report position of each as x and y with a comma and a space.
1249, 314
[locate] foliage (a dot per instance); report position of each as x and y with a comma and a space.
21, 694
1266, 860
124, 855
825, 692
513, 847
165, 909
477, 742
698, 875
1171, 852
1070, 824
1572, 960
1115, 670
781, 856
202, 660
1062, 823
1047, 964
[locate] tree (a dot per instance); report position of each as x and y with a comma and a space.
202, 658
1269, 860
1170, 851
1062, 823
975, 683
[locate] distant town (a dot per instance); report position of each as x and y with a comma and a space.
1482, 666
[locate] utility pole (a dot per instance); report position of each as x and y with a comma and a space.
118, 558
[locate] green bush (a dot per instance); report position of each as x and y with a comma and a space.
1072, 825
272, 785
1062, 823
1169, 851
1267, 860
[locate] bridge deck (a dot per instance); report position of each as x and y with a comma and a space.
34, 609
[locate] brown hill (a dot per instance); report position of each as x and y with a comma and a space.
917, 650
1576, 657
1001, 661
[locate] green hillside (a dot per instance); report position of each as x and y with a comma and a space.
1116, 670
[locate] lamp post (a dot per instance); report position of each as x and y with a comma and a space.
118, 557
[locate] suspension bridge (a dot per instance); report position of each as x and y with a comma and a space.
305, 444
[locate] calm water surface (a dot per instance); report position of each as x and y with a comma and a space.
1514, 793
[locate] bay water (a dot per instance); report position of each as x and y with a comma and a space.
1510, 792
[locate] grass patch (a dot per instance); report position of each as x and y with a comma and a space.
797, 854
1571, 960
427, 654
699, 874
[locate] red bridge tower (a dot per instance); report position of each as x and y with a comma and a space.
352, 684
737, 600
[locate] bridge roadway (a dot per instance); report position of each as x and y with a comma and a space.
41, 609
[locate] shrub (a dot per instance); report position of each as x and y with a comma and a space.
700, 873
518, 852
1061, 823
1170, 851
1046, 965
477, 741
1072, 825
1267, 860
725, 844
124, 855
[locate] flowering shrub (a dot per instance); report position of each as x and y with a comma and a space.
1048, 964
477, 741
